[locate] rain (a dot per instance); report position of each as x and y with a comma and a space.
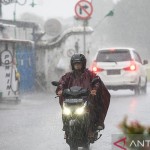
37, 40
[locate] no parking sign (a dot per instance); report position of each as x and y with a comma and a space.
83, 9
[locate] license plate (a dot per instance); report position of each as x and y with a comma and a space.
73, 100
113, 72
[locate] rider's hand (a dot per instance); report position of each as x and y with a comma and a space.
93, 92
59, 93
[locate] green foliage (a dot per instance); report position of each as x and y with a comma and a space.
111, 13
133, 127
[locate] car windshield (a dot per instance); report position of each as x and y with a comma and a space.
113, 56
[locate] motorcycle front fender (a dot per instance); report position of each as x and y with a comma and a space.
72, 123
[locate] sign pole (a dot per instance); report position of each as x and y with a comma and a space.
84, 36
84, 10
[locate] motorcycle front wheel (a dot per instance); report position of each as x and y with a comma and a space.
86, 147
73, 148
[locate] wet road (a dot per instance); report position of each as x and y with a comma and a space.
35, 122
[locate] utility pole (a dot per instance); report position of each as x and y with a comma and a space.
15, 31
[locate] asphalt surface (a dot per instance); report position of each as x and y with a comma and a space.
34, 123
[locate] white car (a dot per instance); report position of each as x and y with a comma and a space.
121, 68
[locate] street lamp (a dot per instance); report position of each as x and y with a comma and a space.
4, 2
33, 3
0, 9
21, 3
7, 2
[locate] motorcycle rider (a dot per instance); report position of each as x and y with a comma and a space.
80, 76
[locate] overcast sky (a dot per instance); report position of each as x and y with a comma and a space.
45, 8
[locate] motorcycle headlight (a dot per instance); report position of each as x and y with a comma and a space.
80, 111
66, 111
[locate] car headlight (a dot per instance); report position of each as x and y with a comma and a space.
80, 111
66, 111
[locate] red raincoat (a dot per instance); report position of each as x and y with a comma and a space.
101, 100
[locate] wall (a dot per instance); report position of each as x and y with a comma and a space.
53, 62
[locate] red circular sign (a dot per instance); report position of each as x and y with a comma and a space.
83, 9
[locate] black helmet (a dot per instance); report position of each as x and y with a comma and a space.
78, 58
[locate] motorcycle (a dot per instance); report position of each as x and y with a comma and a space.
76, 117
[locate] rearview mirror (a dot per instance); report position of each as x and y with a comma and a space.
55, 83
145, 62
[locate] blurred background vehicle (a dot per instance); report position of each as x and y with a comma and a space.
121, 68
